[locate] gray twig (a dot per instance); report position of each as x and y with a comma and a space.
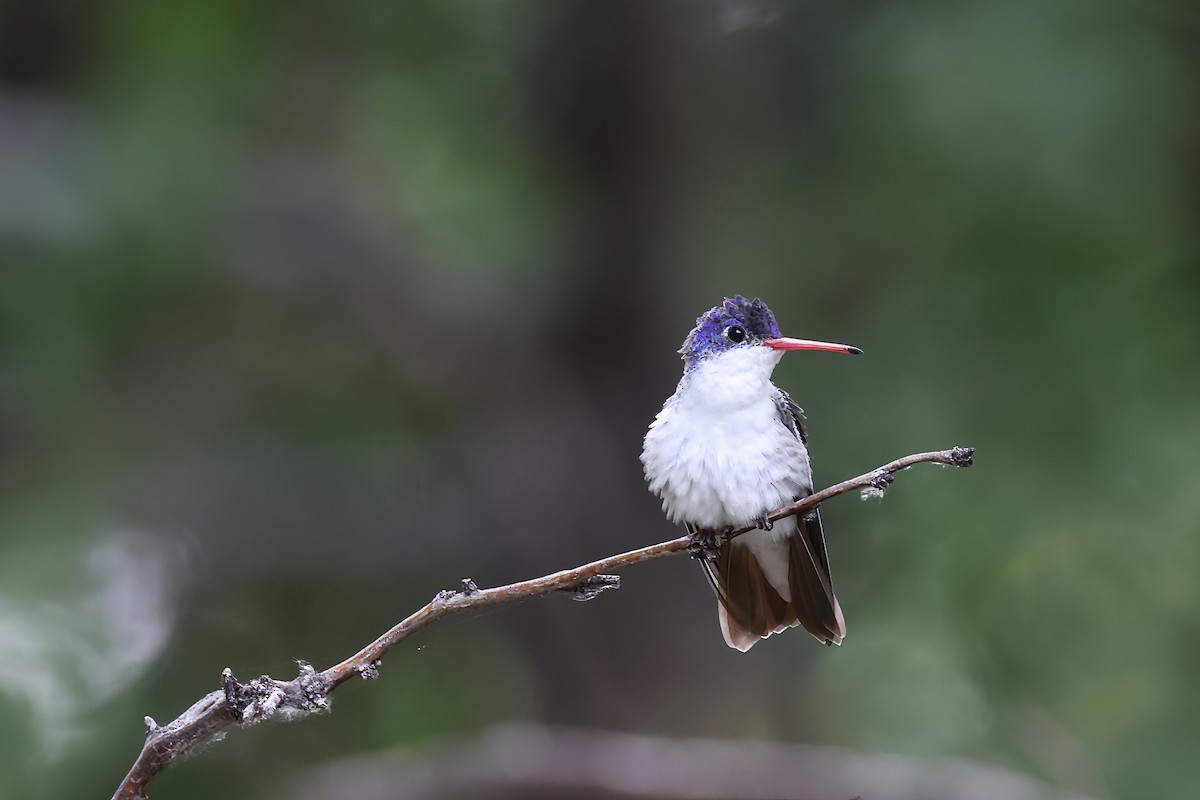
248, 703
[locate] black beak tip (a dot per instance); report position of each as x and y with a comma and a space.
854, 351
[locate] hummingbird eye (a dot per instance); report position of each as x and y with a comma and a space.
735, 334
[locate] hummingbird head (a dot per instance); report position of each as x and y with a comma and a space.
739, 323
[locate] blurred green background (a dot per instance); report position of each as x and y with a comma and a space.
308, 311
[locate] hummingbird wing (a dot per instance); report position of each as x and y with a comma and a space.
792, 417
790, 414
808, 576
811, 587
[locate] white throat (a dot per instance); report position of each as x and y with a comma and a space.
730, 380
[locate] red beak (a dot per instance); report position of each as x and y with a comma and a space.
783, 343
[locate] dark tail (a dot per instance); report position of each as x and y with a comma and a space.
792, 588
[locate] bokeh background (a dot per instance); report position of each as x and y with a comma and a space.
308, 311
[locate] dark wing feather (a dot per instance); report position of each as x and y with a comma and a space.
811, 586
792, 417
790, 414
814, 537
710, 568
809, 556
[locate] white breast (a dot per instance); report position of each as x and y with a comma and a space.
718, 454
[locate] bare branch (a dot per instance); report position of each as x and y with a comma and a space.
879, 479
263, 697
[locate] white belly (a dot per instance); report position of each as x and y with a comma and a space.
717, 467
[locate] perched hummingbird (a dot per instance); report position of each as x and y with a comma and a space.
727, 449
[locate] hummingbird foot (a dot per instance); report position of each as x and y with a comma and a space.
704, 543
763, 523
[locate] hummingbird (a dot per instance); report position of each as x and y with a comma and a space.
728, 448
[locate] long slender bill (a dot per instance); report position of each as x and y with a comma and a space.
784, 343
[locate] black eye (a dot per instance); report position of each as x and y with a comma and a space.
735, 334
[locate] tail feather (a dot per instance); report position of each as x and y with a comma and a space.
750, 607
757, 604
735, 635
